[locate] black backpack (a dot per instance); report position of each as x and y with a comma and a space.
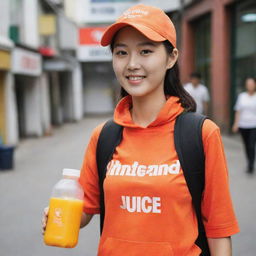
189, 147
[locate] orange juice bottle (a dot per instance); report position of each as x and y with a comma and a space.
65, 211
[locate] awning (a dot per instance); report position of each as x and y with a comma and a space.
6, 43
59, 64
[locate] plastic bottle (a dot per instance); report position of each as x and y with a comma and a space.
65, 211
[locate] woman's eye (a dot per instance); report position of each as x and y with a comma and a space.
121, 53
146, 52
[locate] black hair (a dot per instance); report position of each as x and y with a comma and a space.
196, 75
172, 83
250, 78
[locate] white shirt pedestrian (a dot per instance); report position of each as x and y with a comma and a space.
246, 105
199, 93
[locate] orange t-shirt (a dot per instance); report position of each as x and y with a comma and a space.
148, 207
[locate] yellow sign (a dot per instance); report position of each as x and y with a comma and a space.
5, 60
47, 25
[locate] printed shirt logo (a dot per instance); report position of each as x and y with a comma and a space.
115, 168
143, 204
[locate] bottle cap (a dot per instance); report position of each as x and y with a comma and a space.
71, 172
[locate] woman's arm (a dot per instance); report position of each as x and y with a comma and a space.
220, 246
217, 209
86, 218
235, 125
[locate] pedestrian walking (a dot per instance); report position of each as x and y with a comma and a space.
199, 92
245, 120
148, 206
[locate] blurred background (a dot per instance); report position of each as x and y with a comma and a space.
57, 84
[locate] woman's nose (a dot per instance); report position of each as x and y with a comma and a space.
133, 63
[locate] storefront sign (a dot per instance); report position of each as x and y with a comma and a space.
26, 62
89, 48
98, 11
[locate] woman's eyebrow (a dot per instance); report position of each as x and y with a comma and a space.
139, 44
120, 45
147, 44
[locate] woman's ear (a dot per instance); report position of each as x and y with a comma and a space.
173, 57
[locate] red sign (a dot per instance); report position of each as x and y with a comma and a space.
47, 51
91, 36
28, 63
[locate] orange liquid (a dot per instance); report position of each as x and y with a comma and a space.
63, 222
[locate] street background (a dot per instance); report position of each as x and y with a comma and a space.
57, 84
25, 192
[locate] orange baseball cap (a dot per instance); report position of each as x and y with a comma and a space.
152, 22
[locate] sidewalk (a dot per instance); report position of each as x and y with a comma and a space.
243, 193
26, 190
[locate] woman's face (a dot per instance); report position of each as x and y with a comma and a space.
139, 63
250, 85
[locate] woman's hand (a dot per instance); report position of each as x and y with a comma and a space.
235, 125
235, 128
85, 220
44, 219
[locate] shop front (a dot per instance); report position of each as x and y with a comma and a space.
6, 103
65, 89
27, 69
208, 46
99, 83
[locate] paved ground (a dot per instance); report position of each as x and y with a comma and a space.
25, 191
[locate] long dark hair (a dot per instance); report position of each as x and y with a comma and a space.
172, 83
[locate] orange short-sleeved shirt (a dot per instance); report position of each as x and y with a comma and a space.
148, 208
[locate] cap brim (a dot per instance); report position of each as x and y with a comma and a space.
112, 30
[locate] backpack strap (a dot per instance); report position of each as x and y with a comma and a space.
109, 139
190, 150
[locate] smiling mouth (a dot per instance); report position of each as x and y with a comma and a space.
135, 78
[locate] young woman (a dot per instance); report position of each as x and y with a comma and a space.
245, 120
148, 212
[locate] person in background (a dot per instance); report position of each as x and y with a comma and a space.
245, 120
199, 92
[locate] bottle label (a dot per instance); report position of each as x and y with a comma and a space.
57, 217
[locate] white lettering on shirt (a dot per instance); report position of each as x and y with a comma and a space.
143, 204
115, 168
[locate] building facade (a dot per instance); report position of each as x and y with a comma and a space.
8, 110
40, 77
27, 70
218, 39
58, 38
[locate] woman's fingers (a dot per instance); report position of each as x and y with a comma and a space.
46, 211
44, 219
